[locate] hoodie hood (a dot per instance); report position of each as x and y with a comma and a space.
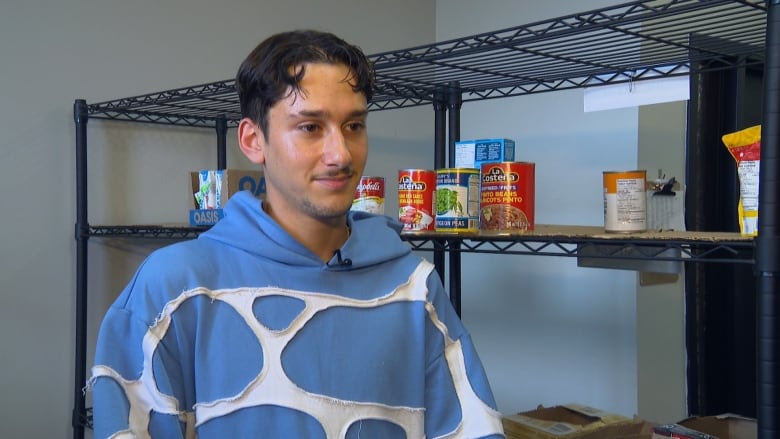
373, 239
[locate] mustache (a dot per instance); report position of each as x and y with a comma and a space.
346, 171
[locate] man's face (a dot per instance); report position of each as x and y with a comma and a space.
316, 146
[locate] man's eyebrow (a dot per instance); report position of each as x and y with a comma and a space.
359, 113
309, 113
362, 113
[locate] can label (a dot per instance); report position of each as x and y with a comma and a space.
507, 196
416, 189
370, 195
457, 200
625, 201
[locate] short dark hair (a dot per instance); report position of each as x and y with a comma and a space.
277, 66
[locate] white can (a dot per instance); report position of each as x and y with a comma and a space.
625, 201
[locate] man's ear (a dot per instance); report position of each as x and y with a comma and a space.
251, 141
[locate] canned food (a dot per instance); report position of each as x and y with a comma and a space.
457, 200
507, 196
625, 201
416, 190
370, 195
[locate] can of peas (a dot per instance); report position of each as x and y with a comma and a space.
457, 200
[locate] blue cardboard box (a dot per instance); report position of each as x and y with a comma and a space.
472, 153
205, 217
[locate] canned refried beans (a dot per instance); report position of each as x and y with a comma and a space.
370, 195
416, 189
507, 196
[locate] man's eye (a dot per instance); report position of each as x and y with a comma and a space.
308, 128
356, 126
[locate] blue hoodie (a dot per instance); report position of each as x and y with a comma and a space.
244, 333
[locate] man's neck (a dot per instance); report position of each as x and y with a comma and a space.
323, 238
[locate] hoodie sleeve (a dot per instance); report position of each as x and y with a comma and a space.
123, 383
457, 392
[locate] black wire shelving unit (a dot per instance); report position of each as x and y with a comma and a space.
634, 41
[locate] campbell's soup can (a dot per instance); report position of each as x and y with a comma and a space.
457, 200
416, 191
625, 201
370, 195
507, 196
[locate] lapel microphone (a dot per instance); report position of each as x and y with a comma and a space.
341, 262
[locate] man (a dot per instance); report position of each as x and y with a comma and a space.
292, 317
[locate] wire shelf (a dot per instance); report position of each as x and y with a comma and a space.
552, 241
631, 42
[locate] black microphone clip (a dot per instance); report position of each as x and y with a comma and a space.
346, 262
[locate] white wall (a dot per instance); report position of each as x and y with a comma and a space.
54, 51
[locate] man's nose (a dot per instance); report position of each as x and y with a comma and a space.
335, 150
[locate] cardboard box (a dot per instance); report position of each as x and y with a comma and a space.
643, 430
569, 421
472, 153
725, 426
211, 189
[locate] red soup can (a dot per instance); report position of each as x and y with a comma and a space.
370, 195
416, 189
507, 196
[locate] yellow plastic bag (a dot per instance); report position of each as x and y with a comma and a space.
745, 147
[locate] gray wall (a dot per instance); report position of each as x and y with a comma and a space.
660, 307
548, 331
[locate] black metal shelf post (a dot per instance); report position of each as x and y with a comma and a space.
222, 129
439, 159
767, 266
79, 416
454, 103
